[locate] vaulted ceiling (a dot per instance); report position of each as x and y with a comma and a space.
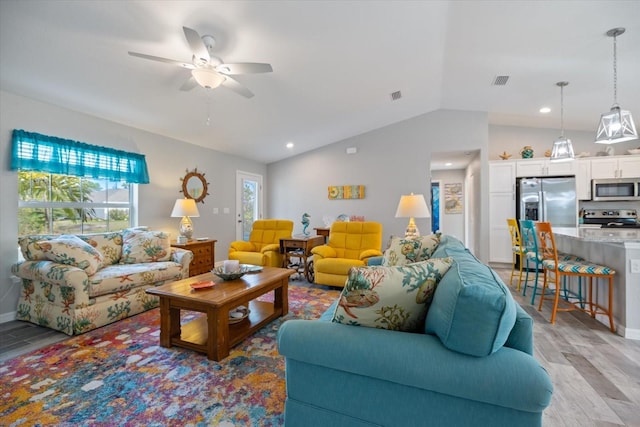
335, 64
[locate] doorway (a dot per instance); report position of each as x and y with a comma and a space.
435, 206
249, 203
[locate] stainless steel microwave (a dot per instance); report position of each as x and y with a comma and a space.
615, 189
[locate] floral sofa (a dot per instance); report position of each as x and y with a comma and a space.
76, 283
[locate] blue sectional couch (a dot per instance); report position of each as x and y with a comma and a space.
474, 366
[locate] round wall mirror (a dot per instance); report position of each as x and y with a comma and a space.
195, 186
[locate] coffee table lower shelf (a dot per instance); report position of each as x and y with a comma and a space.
194, 334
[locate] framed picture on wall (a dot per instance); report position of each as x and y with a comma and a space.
453, 198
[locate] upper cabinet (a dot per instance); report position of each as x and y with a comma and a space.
502, 176
544, 167
615, 167
583, 179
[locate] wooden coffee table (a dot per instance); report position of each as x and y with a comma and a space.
213, 334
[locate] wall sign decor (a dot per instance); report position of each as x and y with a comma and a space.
453, 198
339, 192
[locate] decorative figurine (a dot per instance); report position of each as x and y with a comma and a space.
547, 153
527, 152
504, 155
305, 223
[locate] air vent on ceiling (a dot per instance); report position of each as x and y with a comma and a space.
396, 95
500, 80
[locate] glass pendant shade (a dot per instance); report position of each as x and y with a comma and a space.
562, 150
616, 126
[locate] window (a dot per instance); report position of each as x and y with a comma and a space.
63, 204
67, 186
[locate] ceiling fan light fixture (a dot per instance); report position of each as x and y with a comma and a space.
207, 78
562, 150
616, 125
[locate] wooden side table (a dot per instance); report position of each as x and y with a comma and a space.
323, 232
204, 255
300, 247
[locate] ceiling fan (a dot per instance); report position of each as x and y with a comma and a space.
207, 70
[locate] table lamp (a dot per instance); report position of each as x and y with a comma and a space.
412, 206
185, 208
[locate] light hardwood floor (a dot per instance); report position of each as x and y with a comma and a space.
596, 374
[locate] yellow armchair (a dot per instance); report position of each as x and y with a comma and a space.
350, 244
263, 247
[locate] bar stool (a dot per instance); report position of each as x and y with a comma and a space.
532, 254
517, 250
571, 268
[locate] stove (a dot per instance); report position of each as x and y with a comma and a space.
612, 218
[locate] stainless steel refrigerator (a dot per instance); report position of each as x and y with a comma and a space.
551, 199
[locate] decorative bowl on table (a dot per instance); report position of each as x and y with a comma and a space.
238, 314
634, 151
219, 271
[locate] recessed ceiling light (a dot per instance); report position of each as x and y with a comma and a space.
289, 144
545, 110
448, 164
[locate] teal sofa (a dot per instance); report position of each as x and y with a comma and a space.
473, 366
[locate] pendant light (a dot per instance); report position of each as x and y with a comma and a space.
616, 125
562, 148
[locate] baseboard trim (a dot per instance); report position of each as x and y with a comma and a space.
7, 317
632, 334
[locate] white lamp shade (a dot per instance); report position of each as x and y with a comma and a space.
207, 78
616, 126
185, 207
562, 150
412, 206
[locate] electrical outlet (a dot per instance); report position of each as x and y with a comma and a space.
635, 266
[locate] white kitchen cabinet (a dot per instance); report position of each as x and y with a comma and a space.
502, 176
629, 167
615, 167
544, 167
583, 179
502, 205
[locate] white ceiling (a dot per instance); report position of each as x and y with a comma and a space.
335, 64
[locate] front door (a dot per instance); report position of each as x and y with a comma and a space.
248, 202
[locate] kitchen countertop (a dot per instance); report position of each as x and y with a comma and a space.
610, 235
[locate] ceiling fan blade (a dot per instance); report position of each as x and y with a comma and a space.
197, 45
237, 87
189, 84
244, 68
168, 61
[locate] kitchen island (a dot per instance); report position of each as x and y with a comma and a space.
615, 248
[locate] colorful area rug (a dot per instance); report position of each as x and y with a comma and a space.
119, 375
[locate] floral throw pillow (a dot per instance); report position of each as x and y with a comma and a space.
395, 298
72, 250
402, 251
140, 246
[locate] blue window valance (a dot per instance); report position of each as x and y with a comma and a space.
42, 153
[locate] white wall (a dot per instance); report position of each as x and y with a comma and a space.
390, 161
167, 160
512, 139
